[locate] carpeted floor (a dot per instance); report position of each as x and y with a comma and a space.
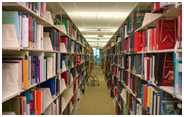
96, 100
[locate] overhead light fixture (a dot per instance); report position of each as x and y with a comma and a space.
102, 29
99, 14
96, 36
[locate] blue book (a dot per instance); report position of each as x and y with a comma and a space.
52, 85
178, 73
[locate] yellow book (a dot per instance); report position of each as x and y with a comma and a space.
148, 100
25, 74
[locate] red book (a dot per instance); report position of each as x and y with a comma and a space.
145, 101
137, 41
156, 7
144, 38
38, 102
166, 34
180, 23
30, 31
153, 39
167, 78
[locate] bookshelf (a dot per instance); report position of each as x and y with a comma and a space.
142, 71
50, 62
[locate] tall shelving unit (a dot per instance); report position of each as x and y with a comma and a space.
70, 67
138, 87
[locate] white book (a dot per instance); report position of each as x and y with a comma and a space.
47, 42
39, 36
25, 32
9, 37
41, 58
47, 97
10, 79
145, 68
148, 39
53, 64
49, 67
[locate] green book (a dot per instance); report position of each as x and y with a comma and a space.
12, 17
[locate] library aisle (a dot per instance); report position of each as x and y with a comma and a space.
96, 98
97, 58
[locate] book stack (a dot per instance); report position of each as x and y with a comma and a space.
144, 73
38, 7
54, 37
29, 103
25, 29
40, 60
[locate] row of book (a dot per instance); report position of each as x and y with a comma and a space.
63, 22
141, 98
31, 69
33, 101
26, 71
164, 34
162, 69
28, 33
68, 45
146, 83
159, 69
40, 100
67, 26
153, 102
38, 7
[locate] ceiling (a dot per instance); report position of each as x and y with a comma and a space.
97, 21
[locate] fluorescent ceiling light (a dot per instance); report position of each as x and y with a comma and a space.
100, 14
91, 36
102, 29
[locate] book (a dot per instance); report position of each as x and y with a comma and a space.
178, 73
11, 73
137, 41
64, 44
38, 102
179, 24
30, 102
167, 77
47, 42
54, 37
26, 82
9, 37
166, 34
12, 17
51, 84
24, 31
38, 7
147, 68
51, 66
